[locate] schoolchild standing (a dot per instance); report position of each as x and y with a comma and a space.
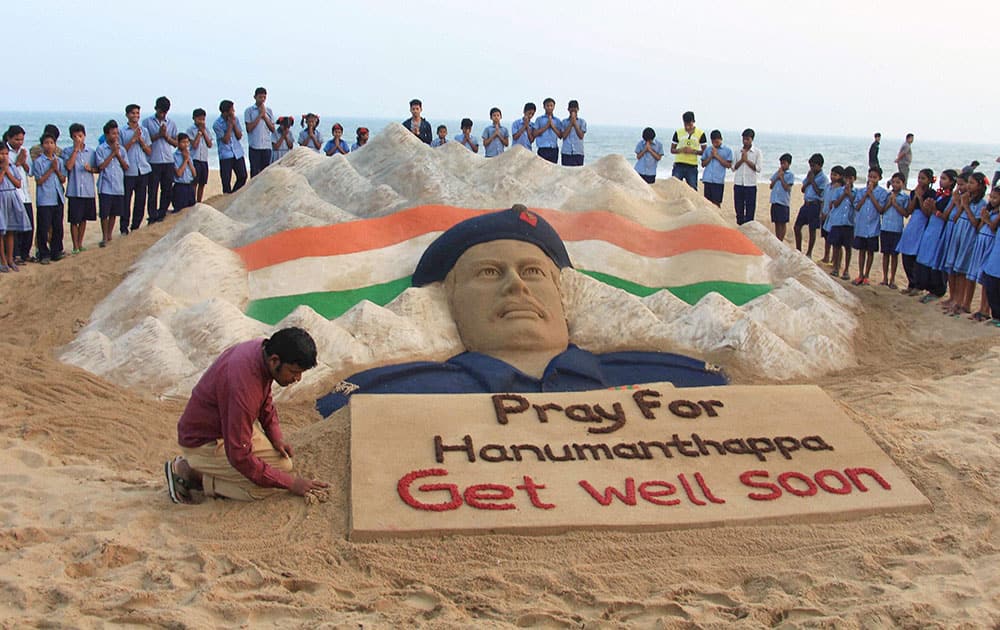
49, 172
138, 147
163, 132
111, 163
891, 229
201, 142
13, 218
80, 189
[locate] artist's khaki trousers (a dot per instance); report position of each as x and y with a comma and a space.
220, 479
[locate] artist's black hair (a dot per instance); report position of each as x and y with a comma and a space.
292, 345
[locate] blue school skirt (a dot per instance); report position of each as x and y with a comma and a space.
959, 256
13, 217
927, 251
980, 249
941, 262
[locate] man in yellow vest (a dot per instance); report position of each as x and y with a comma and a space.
687, 146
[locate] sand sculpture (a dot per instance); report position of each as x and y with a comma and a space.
329, 243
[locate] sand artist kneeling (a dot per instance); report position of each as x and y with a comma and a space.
229, 431
501, 273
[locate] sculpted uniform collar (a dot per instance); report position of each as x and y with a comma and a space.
573, 366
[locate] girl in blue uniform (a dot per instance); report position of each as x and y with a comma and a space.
928, 278
13, 218
909, 242
942, 264
989, 219
970, 207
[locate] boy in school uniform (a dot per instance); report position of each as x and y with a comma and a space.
548, 131
842, 223
870, 205
111, 163
648, 153
523, 129
465, 138
163, 132
813, 187
574, 129
138, 146
80, 190
416, 123
781, 195
184, 174
747, 164
337, 144
49, 172
716, 160
260, 125
836, 179
201, 142
495, 137
442, 136
894, 210
687, 146
21, 163
228, 133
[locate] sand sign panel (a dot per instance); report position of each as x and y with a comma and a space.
645, 457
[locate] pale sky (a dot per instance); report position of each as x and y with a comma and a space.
844, 68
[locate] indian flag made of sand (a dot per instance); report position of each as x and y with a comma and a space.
334, 267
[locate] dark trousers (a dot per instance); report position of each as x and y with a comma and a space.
259, 159
686, 173
649, 179
50, 218
23, 240
910, 267
161, 177
134, 184
714, 192
746, 203
931, 280
991, 287
549, 153
226, 169
572, 160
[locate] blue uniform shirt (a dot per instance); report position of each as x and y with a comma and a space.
460, 138
548, 139
51, 192
162, 153
329, 146
572, 143
260, 137
111, 181
892, 221
821, 181
283, 148
5, 183
496, 147
646, 165
842, 214
778, 194
306, 141
572, 370
138, 161
79, 181
525, 138
715, 172
187, 176
436, 142
200, 152
867, 221
227, 150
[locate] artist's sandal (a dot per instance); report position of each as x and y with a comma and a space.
177, 487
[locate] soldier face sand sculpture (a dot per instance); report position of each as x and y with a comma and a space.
504, 296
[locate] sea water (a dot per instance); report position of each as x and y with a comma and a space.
602, 140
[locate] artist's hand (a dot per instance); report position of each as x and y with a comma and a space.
301, 486
284, 449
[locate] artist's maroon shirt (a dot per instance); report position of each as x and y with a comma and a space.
233, 393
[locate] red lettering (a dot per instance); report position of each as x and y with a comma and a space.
532, 489
403, 488
611, 492
845, 485
747, 479
784, 478
706, 490
653, 495
688, 490
477, 495
855, 476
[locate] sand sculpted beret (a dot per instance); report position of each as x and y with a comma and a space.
517, 224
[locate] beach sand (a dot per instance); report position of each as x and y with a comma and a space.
89, 536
